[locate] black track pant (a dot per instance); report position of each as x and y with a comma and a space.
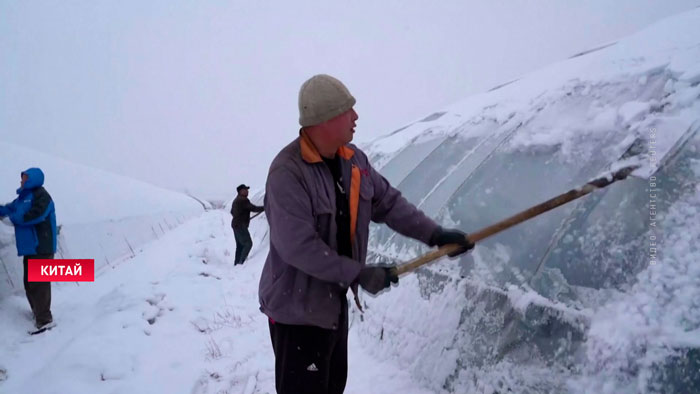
38, 293
311, 360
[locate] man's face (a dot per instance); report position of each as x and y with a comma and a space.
341, 128
244, 192
24, 180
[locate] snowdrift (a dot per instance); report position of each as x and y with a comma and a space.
102, 216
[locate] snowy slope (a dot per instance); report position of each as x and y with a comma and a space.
103, 216
567, 302
175, 318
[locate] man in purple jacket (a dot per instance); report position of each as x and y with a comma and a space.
321, 195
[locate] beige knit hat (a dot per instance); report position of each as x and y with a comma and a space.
321, 98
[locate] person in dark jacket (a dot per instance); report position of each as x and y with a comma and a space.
240, 210
34, 217
321, 194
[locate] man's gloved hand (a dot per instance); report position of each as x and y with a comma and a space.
443, 237
377, 278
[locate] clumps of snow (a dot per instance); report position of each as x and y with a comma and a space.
418, 336
521, 298
636, 333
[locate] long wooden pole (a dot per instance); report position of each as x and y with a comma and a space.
527, 214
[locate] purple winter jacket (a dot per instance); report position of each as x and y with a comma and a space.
304, 277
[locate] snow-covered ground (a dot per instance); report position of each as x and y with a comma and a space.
177, 317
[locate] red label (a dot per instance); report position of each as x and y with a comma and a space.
66, 270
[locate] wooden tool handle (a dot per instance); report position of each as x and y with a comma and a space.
527, 214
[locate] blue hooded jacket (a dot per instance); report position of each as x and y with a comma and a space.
33, 215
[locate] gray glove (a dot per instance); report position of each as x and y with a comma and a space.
377, 278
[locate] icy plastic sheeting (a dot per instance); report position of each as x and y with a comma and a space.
400, 166
384, 149
10, 266
440, 164
456, 175
648, 338
599, 295
522, 174
430, 180
110, 242
605, 241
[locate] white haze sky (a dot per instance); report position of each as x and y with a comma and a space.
202, 95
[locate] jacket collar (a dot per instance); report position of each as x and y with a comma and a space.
310, 154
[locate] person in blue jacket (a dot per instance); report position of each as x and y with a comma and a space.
34, 217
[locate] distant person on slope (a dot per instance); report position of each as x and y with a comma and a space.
240, 210
321, 195
34, 217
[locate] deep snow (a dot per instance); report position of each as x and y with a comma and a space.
177, 317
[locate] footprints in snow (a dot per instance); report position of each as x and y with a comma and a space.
156, 308
207, 275
209, 382
223, 319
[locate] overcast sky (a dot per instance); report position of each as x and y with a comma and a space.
202, 95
